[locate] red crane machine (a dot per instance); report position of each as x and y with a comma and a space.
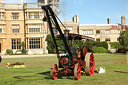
74, 60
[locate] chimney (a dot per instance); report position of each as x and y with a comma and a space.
123, 20
1, 1
21, 1
46, 2
109, 21
76, 18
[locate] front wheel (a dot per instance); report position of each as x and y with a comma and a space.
77, 71
54, 72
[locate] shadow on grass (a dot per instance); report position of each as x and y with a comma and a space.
21, 77
60, 75
121, 72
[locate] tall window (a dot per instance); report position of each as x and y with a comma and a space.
15, 16
15, 28
16, 43
1, 15
107, 31
34, 43
34, 15
34, 28
97, 31
97, 39
1, 28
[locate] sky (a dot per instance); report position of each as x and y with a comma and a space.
90, 11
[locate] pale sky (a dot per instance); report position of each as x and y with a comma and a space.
90, 11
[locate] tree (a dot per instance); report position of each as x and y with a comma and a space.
50, 44
123, 39
23, 48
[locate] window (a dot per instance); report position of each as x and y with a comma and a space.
1, 15
34, 28
117, 39
1, 28
55, 31
107, 31
33, 15
97, 31
87, 32
107, 39
16, 43
118, 31
97, 39
69, 28
34, 43
15, 28
15, 16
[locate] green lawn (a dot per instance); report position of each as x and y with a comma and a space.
37, 72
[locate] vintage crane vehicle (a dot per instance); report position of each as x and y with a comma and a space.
74, 60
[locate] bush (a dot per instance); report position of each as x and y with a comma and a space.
122, 50
9, 51
115, 44
60, 44
92, 44
99, 50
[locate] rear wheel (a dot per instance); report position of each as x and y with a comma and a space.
77, 71
54, 72
90, 64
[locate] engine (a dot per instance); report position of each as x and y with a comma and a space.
64, 60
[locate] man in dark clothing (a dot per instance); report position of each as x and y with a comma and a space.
0, 59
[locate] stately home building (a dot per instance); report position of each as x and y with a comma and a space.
23, 23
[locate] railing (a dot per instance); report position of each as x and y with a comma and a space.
13, 6
32, 5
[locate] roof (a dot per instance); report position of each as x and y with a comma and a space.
99, 25
77, 37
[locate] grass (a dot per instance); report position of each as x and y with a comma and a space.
37, 72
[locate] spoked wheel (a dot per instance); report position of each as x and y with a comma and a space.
54, 72
77, 71
90, 64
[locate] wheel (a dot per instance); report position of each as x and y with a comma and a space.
54, 72
90, 64
77, 71
84, 51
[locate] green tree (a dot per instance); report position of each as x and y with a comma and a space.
50, 44
23, 48
123, 39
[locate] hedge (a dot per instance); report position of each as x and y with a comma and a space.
99, 50
91, 44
